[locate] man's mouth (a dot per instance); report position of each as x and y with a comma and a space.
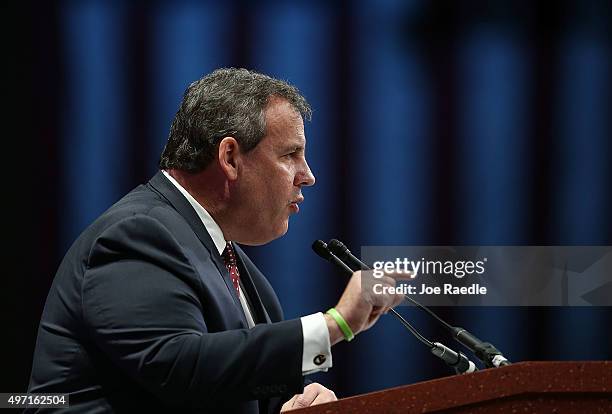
294, 204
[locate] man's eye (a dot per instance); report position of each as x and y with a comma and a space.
294, 153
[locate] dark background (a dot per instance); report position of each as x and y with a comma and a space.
435, 123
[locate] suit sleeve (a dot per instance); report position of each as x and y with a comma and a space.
140, 307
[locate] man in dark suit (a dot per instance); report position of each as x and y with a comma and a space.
155, 306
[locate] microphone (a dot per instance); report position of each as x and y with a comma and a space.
322, 250
339, 249
484, 351
456, 360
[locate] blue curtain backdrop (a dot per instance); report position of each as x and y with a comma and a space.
434, 123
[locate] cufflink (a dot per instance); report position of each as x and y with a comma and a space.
319, 359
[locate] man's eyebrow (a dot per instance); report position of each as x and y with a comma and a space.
294, 147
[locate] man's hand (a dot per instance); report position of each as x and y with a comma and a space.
361, 309
313, 394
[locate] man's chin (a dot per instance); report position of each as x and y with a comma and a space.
281, 231
270, 237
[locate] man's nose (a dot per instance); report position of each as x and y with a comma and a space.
305, 177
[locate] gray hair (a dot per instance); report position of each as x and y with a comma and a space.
227, 102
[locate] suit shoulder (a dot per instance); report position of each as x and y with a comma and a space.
139, 206
142, 201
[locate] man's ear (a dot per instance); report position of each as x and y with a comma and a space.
227, 156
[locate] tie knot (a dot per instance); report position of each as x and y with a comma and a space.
228, 255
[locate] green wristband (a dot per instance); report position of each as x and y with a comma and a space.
344, 327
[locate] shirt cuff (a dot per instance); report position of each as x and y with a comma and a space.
317, 349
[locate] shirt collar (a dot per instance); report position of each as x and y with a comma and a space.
209, 223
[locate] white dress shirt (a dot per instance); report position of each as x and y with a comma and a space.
314, 328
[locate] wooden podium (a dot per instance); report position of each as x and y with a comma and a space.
527, 387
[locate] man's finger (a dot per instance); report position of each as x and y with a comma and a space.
325, 396
307, 397
401, 276
387, 280
289, 404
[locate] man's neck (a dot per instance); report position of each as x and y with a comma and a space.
206, 187
210, 189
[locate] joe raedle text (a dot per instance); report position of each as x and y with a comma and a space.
423, 289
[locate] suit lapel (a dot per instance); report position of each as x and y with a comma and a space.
160, 184
259, 309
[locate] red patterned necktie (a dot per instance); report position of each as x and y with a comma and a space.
229, 257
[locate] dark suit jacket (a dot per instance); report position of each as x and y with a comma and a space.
142, 316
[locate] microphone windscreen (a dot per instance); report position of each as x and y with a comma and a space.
336, 247
321, 249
